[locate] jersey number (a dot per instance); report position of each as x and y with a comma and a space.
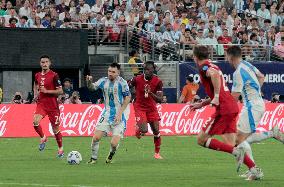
226, 89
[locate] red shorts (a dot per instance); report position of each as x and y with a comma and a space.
144, 116
221, 124
53, 115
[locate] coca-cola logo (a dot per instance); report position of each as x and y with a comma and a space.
78, 123
183, 121
272, 118
3, 123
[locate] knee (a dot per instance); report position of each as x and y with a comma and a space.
144, 129
36, 123
96, 139
156, 132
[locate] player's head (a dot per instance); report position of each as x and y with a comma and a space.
45, 62
149, 69
113, 71
200, 53
234, 55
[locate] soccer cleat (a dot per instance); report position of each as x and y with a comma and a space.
255, 174
158, 156
240, 155
60, 154
109, 157
42, 143
92, 161
246, 174
277, 134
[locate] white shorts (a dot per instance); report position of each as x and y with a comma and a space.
116, 130
249, 118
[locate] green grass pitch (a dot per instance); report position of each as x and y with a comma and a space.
185, 164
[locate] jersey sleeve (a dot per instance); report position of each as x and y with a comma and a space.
56, 81
99, 84
160, 86
237, 83
256, 71
125, 89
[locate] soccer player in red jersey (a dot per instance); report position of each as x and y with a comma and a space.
47, 87
149, 91
223, 121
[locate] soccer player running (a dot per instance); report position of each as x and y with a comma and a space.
47, 87
223, 121
247, 82
112, 119
149, 91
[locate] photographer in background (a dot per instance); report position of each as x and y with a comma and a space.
277, 98
74, 99
67, 87
18, 98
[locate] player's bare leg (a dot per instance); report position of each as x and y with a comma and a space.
206, 140
157, 139
58, 137
95, 146
229, 138
141, 129
38, 129
113, 147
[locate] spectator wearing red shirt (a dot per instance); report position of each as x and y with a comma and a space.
225, 38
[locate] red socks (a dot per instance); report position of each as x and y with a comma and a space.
157, 143
38, 129
220, 146
58, 138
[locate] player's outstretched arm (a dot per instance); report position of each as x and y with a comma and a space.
35, 92
260, 78
196, 106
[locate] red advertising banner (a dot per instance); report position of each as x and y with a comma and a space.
80, 120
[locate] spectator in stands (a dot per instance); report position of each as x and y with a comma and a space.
74, 99
25, 10
2, 10
210, 27
199, 38
135, 62
98, 7
12, 22
46, 21
108, 23
9, 6
213, 6
85, 8
37, 23
188, 91
267, 25
75, 15
211, 40
279, 49
250, 11
263, 13
12, 14
67, 87
2, 22
23, 22
39, 12
17, 98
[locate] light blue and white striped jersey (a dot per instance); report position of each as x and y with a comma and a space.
114, 93
245, 82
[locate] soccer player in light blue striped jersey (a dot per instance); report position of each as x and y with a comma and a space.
114, 115
247, 82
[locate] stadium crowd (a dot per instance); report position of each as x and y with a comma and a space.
257, 23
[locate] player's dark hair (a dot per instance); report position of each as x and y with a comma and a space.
115, 65
44, 56
234, 51
150, 63
201, 52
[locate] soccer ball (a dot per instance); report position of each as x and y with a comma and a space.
74, 157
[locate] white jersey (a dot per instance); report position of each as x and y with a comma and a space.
245, 82
114, 93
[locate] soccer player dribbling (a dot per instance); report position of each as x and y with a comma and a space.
47, 87
223, 121
149, 91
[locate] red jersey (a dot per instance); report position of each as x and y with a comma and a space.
140, 83
227, 104
50, 81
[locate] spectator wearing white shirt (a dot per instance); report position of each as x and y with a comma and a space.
239, 5
62, 15
39, 12
250, 12
84, 8
273, 16
170, 39
211, 40
23, 22
116, 13
211, 26
263, 13
25, 10
108, 23
98, 7
213, 6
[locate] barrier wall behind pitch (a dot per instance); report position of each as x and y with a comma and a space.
80, 120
